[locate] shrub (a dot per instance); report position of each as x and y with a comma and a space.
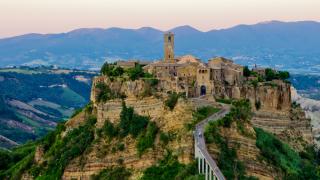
164, 138
14, 163
272, 74
113, 173
109, 130
111, 70
200, 114
65, 149
120, 146
225, 101
172, 100
278, 153
136, 72
105, 93
230, 166
169, 168
146, 139
130, 122
241, 110
246, 71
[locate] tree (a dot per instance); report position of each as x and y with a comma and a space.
284, 75
270, 74
136, 72
246, 71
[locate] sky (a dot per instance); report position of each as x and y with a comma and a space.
54, 16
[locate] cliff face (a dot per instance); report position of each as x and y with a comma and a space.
273, 114
101, 156
272, 96
312, 109
132, 89
246, 151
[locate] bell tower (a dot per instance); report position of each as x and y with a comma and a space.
169, 47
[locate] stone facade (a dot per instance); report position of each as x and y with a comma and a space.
189, 75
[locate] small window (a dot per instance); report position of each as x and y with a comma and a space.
169, 38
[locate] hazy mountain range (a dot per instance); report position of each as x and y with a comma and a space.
288, 45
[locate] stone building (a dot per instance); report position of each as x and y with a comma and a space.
187, 74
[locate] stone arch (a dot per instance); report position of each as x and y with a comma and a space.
203, 90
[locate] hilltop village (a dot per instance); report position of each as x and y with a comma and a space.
219, 78
143, 124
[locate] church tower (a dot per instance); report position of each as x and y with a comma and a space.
169, 47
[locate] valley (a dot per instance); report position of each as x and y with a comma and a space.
34, 100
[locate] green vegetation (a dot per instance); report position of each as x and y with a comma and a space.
55, 94
51, 111
166, 137
272, 74
173, 99
170, 169
200, 114
73, 144
136, 72
137, 126
269, 75
109, 130
246, 71
224, 101
113, 173
111, 70
13, 164
230, 166
146, 139
131, 123
293, 165
105, 93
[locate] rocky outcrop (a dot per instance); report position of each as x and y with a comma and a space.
312, 109
272, 96
294, 128
101, 156
247, 152
121, 85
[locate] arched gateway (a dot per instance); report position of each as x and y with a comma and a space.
202, 90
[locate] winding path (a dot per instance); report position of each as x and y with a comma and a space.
206, 164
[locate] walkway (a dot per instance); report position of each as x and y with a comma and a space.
206, 164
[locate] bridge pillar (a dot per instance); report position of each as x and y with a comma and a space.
210, 176
203, 166
199, 165
207, 171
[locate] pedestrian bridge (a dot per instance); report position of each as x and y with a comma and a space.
206, 164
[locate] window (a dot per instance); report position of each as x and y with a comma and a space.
169, 38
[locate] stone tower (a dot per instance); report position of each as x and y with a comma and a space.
169, 47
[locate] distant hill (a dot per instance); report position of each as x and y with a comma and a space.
34, 100
286, 45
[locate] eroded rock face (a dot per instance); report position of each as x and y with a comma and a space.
100, 155
294, 128
274, 96
247, 152
132, 89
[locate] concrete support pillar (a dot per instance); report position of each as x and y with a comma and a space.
203, 165
210, 174
208, 170
199, 165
